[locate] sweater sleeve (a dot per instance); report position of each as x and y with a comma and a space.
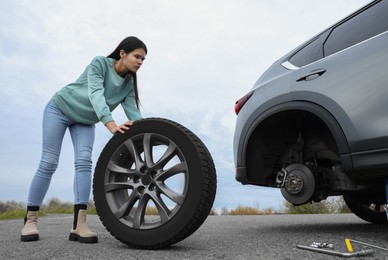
96, 90
130, 108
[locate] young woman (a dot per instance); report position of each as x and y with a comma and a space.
105, 83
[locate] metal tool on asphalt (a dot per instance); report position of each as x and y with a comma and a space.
366, 244
363, 252
348, 245
322, 245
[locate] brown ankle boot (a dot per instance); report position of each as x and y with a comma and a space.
30, 231
80, 231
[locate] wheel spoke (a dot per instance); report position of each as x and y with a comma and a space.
135, 154
138, 218
166, 157
112, 166
148, 157
127, 206
177, 168
172, 195
109, 187
164, 211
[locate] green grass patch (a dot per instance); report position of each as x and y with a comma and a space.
16, 214
12, 214
17, 210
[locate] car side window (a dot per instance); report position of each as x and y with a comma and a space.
363, 26
309, 53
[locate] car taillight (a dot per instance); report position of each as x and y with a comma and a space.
241, 102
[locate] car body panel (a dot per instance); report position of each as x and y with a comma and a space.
362, 98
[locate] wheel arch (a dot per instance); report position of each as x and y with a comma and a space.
313, 109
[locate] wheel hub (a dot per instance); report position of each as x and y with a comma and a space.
146, 179
146, 175
294, 183
299, 184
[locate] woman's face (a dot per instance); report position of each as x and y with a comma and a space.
133, 60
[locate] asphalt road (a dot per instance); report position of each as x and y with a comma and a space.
220, 237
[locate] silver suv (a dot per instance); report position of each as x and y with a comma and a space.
315, 124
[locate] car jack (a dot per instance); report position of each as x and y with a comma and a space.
363, 252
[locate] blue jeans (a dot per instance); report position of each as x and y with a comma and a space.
55, 124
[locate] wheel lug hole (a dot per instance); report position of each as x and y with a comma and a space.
143, 170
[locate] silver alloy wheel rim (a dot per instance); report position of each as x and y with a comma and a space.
147, 171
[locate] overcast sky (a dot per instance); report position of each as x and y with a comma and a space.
203, 55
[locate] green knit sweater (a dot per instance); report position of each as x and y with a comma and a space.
96, 93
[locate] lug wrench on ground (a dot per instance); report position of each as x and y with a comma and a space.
365, 244
364, 252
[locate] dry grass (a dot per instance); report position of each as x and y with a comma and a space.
152, 211
240, 210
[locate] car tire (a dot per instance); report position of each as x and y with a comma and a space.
133, 174
367, 208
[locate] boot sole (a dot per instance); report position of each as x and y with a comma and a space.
88, 240
28, 238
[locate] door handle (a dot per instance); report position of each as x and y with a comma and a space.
312, 75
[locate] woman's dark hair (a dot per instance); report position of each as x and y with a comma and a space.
128, 45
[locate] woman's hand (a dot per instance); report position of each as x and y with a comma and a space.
113, 128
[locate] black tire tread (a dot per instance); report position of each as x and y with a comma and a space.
362, 211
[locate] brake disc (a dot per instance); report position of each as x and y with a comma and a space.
299, 184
